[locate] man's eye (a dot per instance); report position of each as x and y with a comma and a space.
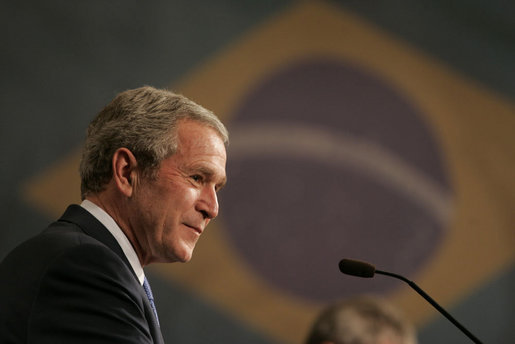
196, 178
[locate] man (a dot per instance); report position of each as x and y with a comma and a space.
361, 320
151, 168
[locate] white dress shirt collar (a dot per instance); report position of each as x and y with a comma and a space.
118, 234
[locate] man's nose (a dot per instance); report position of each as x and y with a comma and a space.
208, 203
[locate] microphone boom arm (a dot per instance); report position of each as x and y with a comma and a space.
432, 302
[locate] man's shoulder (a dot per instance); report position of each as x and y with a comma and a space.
59, 237
61, 266
74, 228
55, 240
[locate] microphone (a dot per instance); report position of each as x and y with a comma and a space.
366, 270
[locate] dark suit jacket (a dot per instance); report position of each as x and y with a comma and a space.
73, 284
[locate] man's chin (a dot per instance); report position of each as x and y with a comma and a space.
184, 259
183, 255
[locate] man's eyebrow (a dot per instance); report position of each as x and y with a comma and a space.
209, 173
222, 184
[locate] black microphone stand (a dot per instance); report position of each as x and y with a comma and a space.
432, 302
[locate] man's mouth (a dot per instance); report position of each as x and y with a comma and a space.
197, 229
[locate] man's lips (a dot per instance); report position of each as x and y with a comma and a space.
197, 229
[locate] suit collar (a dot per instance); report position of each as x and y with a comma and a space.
80, 217
91, 226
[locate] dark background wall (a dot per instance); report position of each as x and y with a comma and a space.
377, 130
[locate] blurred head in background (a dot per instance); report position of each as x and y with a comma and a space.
361, 320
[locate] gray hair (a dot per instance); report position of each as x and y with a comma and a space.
143, 120
361, 320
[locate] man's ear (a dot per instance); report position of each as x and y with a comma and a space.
124, 170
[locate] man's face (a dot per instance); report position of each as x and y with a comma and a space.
173, 210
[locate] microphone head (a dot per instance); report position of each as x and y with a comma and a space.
357, 268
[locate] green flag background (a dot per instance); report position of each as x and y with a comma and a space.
405, 109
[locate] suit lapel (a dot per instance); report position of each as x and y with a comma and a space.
91, 226
80, 217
